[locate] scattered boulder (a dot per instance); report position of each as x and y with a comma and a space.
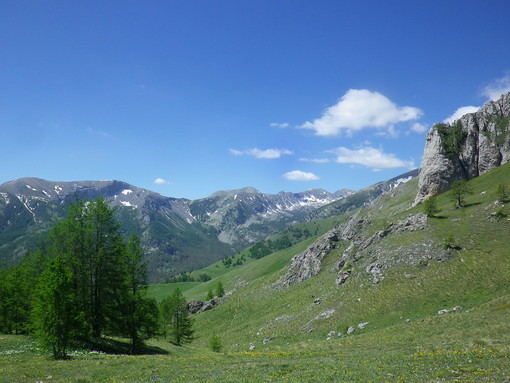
362, 325
342, 276
413, 222
197, 307
376, 270
350, 330
326, 314
445, 311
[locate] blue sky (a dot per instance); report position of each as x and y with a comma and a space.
189, 97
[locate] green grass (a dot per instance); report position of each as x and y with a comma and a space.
405, 340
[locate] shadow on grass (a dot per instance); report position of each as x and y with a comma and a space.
118, 347
470, 204
438, 217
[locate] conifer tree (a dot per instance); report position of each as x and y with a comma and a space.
459, 189
430, 207
220, 291
54, 314
137, 315
175, 317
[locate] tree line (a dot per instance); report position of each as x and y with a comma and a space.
86, 281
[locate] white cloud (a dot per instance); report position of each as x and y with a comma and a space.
418, 128
370, 157
359, 109
298, 175
279, 124
460, 112
259, 153
495, 89
160, 181
315, 160
492, 91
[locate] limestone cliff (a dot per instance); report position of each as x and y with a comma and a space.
471, 146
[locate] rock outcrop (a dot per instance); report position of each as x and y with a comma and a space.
471, 146
308, 263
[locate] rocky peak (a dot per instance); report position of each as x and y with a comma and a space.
471, 146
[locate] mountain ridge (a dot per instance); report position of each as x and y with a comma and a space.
177, 234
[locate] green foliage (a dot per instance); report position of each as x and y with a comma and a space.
347, 266
82, 283
55, 314
220, 291
210, 295
501, 192
184, 277
430, 207
500, 214
137, 315
448, 242
452, 138
175, 317
16, 290
459, 189
215, 343
500, 134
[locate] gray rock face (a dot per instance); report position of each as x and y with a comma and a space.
308, 263
484, 145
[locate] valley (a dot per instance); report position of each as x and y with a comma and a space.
373, 286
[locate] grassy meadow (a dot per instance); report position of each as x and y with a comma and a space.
440, 321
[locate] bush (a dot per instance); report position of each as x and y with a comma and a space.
430, 207
215, 343
448, 242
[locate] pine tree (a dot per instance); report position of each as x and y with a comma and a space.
137, 317
54, 314
459, 189
220, 291
175, 316
430, 207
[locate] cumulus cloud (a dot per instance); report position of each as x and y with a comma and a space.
359, 109
370, 157
279, 124
259, 153
161, 181
496, 88
298, 175
492, 91
418, 127
460, 112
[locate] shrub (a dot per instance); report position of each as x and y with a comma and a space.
430, 207
448, 242
215, 343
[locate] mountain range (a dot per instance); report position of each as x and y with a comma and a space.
177, 234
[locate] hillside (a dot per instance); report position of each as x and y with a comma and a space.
422, 319
438, 289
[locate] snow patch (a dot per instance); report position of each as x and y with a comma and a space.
128, 204
26, 205
403, 180
31, 188
58, 189
5, 197
126, 191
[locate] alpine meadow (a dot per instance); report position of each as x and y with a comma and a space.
254, 191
